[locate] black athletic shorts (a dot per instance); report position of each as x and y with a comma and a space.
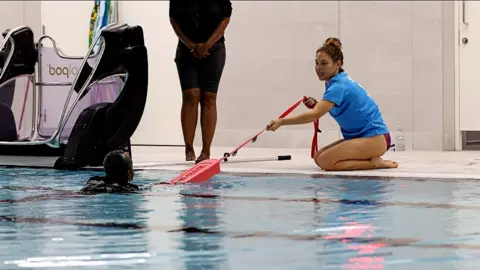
200, 73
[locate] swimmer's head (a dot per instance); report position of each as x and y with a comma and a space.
118, 167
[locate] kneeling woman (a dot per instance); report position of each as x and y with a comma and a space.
365, 134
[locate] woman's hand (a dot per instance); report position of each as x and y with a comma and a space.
274, 124
201, 50
310, 102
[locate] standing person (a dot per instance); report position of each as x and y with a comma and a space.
365, 134
200, 58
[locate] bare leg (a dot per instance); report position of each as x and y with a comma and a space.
356, 154
373, 163
189, 117
208, 121
328, 146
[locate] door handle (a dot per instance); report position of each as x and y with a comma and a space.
464, 12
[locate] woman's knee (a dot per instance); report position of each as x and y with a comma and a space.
191, 96
318, 153
208, 99
320, 158
356, 149
324, 161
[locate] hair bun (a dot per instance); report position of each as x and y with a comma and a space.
333, 41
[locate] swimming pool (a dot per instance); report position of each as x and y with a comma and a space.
238, 222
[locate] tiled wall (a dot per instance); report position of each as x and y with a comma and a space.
394, 49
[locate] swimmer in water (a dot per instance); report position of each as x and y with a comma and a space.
118, 175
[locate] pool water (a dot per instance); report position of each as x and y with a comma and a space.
238, 222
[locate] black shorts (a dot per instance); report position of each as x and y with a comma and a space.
200, 73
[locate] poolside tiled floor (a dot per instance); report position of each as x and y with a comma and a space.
415, 164
431, 164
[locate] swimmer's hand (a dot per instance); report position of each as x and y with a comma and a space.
275, 124
310, 102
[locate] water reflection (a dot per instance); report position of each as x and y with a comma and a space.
356, 217
55, 233
202, 251
19, 235
109, 208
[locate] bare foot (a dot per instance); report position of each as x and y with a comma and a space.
203, 157
190, 155
384, 164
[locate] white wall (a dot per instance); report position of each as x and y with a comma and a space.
11, 14
68, 23
16, 13
400, 51
160, 124
270, 66
393, 48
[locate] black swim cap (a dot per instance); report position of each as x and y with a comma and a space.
116, 165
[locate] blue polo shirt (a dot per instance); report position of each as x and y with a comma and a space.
355, 111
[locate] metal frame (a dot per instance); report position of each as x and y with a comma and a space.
41, 84
54, 140
8, 38
31, 78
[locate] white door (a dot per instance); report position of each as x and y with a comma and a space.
469, 62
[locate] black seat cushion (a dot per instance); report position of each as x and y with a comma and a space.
8, 128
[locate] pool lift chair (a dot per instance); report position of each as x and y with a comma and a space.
17, 59
100, 127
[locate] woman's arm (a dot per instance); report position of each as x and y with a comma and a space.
226, 9
322, 107
190, 44
218, 33
201, 50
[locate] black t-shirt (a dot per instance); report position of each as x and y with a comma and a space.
198, 19
97, 184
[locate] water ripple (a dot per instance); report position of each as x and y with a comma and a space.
238, 222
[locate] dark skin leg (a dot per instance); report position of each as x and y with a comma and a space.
208, 121
189, 116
